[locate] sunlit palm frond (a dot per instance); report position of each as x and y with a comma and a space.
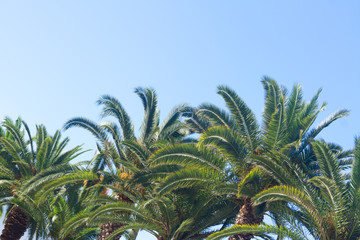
243, 117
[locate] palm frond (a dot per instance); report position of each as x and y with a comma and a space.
258, 230
227, 141
254, 182
314, 132
171, 119
327, 161
189, 177
151, 113
292, 195
188, 155
88, 125
112, 107
215, 115
294, 105
70, 178
276, 131
242, 115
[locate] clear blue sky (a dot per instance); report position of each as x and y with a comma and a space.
58, 57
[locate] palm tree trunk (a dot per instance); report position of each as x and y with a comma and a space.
16, 224
108, 228
246, 216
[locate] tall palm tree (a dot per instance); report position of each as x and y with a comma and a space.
25, 166
326, 205
119, 150
234, 136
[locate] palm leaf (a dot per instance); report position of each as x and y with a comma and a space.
242, 115
188, 155
151, 113
327, 161
89, 125
112, 107
257, 230
189, 177
215, 115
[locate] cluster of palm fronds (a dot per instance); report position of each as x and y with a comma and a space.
202, 173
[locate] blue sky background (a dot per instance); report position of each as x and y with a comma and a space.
58, 57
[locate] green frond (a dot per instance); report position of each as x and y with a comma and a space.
291, 195
46, 176
171, 119
121, 207
310, 108
195, 121
174, 133
184, 227
29, 206
355, 173
136, 226
67, 156
7, 171
258, 230
18, 136
314, 132
112, 107
41, 134
243, 117
215, 115
156, 173
327, 161
189, 177
73, 224
273, 93
254, 182
151, 113
30, 138
334, 197
188, 155
225, 189
42, 154
88, 125
142, 152
294, 105
87, 232
305, 122
67, 179
227, 141
11, 148
115, 133
275, 167
276, 131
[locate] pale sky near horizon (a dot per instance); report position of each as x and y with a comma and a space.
58, 57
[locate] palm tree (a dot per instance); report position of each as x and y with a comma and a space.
233, 137
326, 205
25, 166
119, 151
184, 215
70, 202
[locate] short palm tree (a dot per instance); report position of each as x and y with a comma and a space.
120, 151
25, 166
184, 215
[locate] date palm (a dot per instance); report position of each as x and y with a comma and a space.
25, 166
235, 135
326, 205
184, 215
119, 150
